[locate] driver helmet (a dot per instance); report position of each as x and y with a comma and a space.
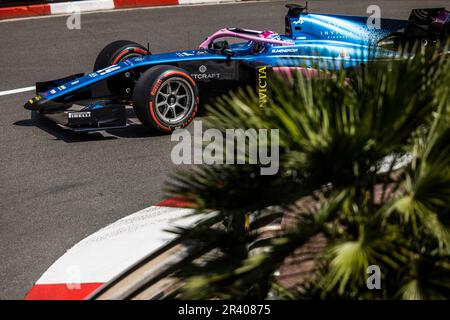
269, 35
259, 46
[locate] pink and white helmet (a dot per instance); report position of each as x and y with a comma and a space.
269, 35
259, 46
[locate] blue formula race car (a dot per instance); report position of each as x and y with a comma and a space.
166, 89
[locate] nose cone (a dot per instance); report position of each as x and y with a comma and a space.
33, 103
42, 104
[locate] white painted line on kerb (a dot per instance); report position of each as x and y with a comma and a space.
106, 253
14, 91
89, 5
165, 7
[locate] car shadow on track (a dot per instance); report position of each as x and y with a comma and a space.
61, 134
133, 130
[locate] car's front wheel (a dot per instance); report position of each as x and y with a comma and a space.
118, 51
165, 98
115, 52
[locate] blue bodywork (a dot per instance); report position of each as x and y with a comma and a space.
315, 38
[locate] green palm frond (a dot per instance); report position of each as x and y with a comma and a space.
235, 279
336, 132
428, 277
426, 185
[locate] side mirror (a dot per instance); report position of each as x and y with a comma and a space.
219, 45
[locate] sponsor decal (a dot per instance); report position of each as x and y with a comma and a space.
292, 50
184, 54
262, 86
343, 54
299, 21
337, 32
107, 70
137, 59
140, 51
156, 87
78, 115
205, 76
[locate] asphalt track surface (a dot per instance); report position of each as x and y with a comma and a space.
57, 187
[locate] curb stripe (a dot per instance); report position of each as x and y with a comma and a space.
93, 5
106, 253
177, 202
81, 6
61, 291
24, 11
143, 3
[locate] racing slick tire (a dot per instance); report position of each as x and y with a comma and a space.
118, 51
114, 53
165, 98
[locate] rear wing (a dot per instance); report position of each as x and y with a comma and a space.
422, 24
428, 24
303, 25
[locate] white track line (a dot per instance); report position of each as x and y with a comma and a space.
192, 3
14, 91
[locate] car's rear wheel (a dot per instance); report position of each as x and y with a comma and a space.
165, 98
118, 51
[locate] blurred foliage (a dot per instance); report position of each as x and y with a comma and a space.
371, 147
